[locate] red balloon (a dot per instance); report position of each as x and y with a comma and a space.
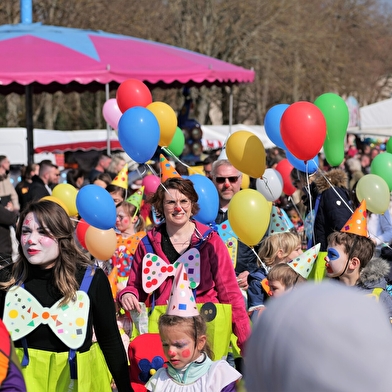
80, 232
284, 167
303, 129
132, 93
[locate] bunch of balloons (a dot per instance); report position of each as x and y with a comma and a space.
142, 124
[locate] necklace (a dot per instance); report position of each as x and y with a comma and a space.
181, 241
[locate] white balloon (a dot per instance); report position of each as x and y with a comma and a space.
270, 185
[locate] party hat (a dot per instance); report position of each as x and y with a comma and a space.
136, 198
357, 224
167, 170
303, 264
121, 179
181, 301
279, 222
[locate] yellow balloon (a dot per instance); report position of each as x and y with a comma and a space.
246, 152
100, 243
56, 200
67, 194
249, 215
245, 181
167, 121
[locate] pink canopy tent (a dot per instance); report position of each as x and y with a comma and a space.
38, 58
60, 58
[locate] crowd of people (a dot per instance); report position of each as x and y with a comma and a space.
75, 321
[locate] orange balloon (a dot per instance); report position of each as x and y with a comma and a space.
246, 152
101, 243
167, 120
56, 200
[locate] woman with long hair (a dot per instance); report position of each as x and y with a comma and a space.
51, 298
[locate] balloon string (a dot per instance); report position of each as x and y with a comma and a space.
258, 258
152, 170
266, 185
174, 156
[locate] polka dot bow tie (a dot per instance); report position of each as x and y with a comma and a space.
156, 270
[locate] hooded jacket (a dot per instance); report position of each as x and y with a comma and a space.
372, 280
334, 205
218, 282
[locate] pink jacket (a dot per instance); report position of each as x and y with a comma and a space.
217, 284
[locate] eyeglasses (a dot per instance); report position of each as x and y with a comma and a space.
184, 203
222, 180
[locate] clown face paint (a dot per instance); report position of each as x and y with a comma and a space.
336, 261
179, 347
123, 220
38, 247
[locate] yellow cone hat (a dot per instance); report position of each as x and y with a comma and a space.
357, 224
121, 179
167, 170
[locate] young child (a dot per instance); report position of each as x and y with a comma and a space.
284, 277
131, 229
183, 334
350, 259
276, 248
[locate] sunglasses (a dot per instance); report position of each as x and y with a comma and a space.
222, 180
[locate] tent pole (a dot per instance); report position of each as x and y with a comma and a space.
29, 123
230, 110
108, 129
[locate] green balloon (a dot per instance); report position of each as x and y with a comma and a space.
178, 142
389, 145
374, 190
336, 115
382, 166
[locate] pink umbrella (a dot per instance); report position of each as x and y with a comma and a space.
36, 58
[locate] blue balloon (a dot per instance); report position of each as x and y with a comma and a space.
272, 124
139, 133
208, 198
301, 165
96, 207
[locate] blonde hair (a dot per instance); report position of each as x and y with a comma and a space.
285, 242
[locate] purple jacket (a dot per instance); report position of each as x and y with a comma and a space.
217, 284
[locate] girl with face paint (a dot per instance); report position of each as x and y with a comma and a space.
54, 289
183, 333
130, 230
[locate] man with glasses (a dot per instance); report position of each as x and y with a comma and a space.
227, 180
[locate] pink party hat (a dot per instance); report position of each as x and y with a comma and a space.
357, 224
121, 179
279, 222
181, 301
167, 170
303, 264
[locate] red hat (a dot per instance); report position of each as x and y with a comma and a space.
146, 356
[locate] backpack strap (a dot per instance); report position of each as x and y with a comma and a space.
84, 286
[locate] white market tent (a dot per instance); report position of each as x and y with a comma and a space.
13, 141
375, 120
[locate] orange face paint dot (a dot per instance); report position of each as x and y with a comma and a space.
45, 315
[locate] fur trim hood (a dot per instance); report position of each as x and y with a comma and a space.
337, 177
374, 271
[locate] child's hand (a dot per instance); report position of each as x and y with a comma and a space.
242, 280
